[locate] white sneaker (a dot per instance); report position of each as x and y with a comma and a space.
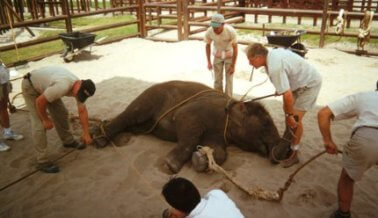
4, 147
12, 135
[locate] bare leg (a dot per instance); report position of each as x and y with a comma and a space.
299, 131
4, 116
345, 191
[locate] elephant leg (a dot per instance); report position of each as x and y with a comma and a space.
189, 132
138, 112
200, 161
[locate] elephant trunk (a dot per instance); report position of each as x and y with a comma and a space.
282, 150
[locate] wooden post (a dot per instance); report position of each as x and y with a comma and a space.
349, 9
68, 19
219, 4
324, 23
71, 7
142, 18
185, 12
179, 20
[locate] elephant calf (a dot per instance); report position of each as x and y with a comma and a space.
199, 121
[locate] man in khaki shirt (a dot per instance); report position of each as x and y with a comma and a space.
225, 52
43, 89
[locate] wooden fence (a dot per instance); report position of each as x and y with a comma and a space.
185, 14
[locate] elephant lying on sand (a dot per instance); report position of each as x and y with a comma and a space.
199, 121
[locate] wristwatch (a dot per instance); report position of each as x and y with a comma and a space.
289, 114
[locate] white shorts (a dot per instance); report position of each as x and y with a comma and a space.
305, 97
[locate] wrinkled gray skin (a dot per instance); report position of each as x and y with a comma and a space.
200, 121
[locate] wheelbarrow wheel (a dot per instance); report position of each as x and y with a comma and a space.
68, 59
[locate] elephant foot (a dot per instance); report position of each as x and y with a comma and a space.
100, 141
279, 153
173, 164
199, 161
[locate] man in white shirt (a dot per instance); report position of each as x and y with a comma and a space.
185, 200
296, 80
225, 52
361, 152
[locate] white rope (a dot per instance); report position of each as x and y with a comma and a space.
257, 192
340, 22
364, 31
366, 25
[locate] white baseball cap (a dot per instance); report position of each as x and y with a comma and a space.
217, 20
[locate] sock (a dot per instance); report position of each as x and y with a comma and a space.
294, 147
340, 213
7, 130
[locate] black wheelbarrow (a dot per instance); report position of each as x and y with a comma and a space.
75, 43
288, 39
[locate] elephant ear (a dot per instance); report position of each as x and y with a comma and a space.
230, 105
254, 108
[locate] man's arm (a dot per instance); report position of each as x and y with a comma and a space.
41, 104
288, 106
208, 52
325, 116
231, 70
83, 115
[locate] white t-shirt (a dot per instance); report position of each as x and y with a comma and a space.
222, 42
288, 70
216, 204
53, 82
363, 105
4, 74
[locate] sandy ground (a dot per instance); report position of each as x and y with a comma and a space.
126, 181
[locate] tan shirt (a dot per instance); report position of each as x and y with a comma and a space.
222, 42
53, 82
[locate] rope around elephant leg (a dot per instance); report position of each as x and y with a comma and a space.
257, 192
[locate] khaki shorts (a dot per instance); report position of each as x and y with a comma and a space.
361, 152
305, 98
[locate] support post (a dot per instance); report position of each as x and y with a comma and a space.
180, 35
68, 19
186, 19
142, 19
324, 24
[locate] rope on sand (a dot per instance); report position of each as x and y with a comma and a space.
256, 192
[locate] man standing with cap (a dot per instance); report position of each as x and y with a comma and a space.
225, 52
361, 152
43, 89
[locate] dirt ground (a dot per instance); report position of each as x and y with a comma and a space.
126, 180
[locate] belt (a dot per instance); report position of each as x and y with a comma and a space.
372, 127
27, 76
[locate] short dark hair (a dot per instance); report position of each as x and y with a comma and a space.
181, 194
87, 89
256, 49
